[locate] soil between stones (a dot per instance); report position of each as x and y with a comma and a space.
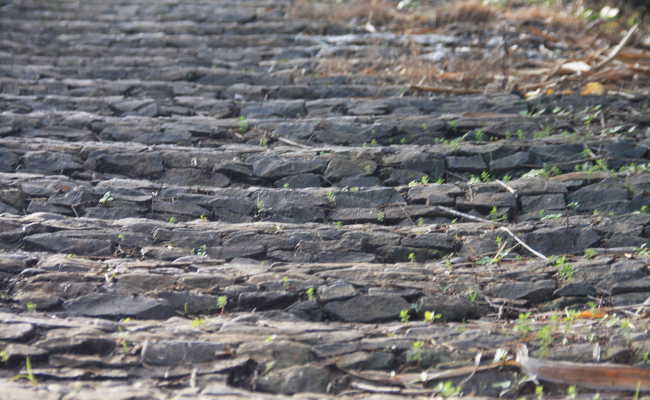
189, 210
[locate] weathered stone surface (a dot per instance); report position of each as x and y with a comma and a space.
602, 197
118, 306
16, 332
336, 291
340, 168
282, 353
542, 203
295, 380
533, 292
242, 200
367, 308
510, 162
474, 164
169, 353
450, 308
276, 167
562, 240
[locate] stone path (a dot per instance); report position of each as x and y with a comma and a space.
190, 209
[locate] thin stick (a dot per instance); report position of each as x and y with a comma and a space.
464, 215
508, 188
521, 242
616, 49
291, 142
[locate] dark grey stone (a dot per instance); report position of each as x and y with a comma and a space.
191, 303
77, 197
115, 306
170, 353
510, 162
70, 242
277, 167
13, 197
50, 162
229, 252
16, 332
283, 353
144, 107
8, 161
556, 152
77, 344
356, 215
578, 289
265, 300
372, 107
299, 181
417, 160
452, 308
295, 379
232, 209
562, 240
397, 176
336, 291
359, 181
378, 360
432, 240
306, 310
625, 150
542, 202
601, 196
235, 169
113, 213
366, 198
488, 200
435, 194
339, 168
282, 109
367, 308
140, 165
534, 292
474, 164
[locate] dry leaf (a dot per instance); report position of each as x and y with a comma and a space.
593, 88
575, 67
592, 314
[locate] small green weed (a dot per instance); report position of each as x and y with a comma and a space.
331, 198
448, 389
30, 373
201, 251
430, 316
417, 351
412, 257
522, 325
106, 199
564, 269
243, 124
222, 302
197, 322
590, 253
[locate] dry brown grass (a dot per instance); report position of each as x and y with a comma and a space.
382, 14
378, 12
556, 26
